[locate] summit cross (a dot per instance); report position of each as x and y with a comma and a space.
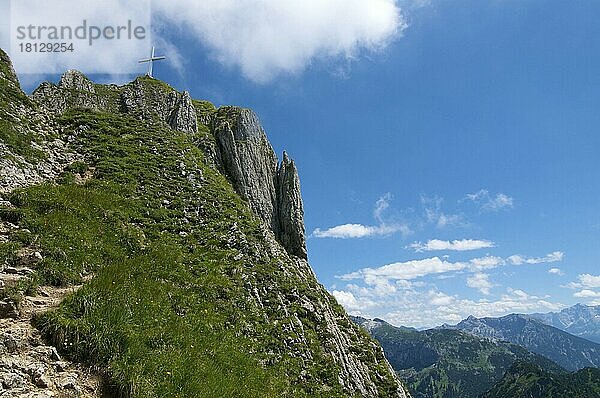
151, 61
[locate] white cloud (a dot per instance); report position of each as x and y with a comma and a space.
395, 292
405, 270
110, 56
550, 258
487, 262
435, 215
556, 271
381, 206
480, 282
413, 269
489, 202
586, 293
265, 38
429, 307
349, 231
456, 245
444, 220
346, 299
586, 281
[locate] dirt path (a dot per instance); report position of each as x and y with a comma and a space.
29, 367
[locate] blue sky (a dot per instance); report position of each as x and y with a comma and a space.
473, 126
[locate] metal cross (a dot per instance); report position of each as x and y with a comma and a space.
151, 60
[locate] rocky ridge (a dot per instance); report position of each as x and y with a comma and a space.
240, 148
30, 150
570, 352
245, 155
579, 320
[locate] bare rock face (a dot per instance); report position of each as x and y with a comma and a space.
48, 94
290, 209
272, 190
146, 98
248, 160
74, 90
75, 80
183, 116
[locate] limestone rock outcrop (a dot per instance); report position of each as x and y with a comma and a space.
183, 116
271, 189
156, 99
74, 90
30, 153
290, 209
75, 80
142, 100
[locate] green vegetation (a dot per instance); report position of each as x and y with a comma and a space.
175, 256
204, 107
525, 380
18, 141
16, 132
440, 363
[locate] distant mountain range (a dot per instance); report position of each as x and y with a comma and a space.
448, 363
579, 320
525, 380
569, 351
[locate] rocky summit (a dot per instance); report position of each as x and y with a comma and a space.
153, 245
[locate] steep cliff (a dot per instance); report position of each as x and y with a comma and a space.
273, 190
189, 237
290, 211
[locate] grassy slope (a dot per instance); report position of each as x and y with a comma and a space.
525, 380
169, 311
447, 363
18, 140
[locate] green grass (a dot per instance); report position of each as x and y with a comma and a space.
175, 255
15, 131
19, 142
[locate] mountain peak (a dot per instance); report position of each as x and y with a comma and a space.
75, 80
580, 320
569, 351
240, 147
